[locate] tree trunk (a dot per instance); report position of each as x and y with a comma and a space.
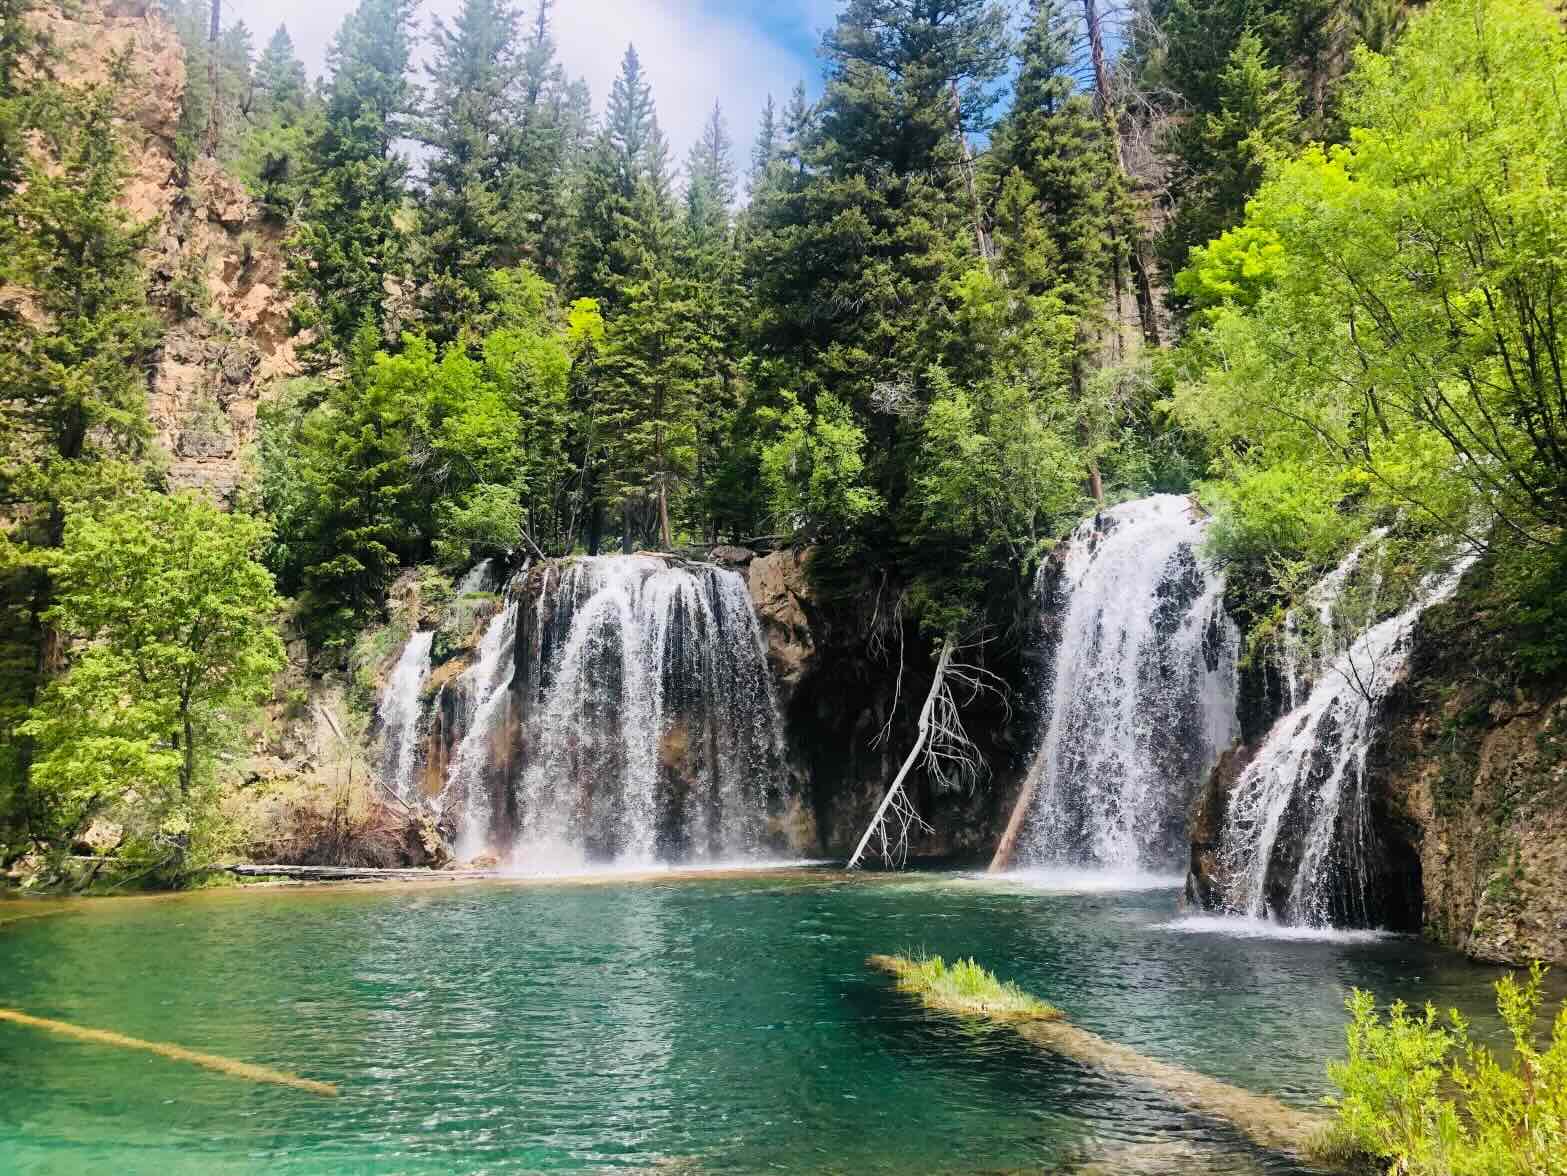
909, 760
215, 111
1138, 248
663, 517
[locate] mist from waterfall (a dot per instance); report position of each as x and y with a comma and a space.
1141, 697
399, 708
1297, 842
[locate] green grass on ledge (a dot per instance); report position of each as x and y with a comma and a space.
963, 987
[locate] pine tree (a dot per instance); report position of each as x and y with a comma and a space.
799, 128
710, 183
25, 53
1052, 173
623, 213
470, 220
550, 123
349, 244
272, 153
765, 149
849, 256
1221, 156
281, 88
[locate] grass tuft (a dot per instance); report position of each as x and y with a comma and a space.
964, 987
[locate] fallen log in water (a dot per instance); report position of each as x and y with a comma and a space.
352, 873
178, 1053
1261, 1118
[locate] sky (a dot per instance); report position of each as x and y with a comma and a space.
694, 51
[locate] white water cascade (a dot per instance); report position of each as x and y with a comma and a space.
1297, 839
652, 731
618, 710
1141, 699
482, 697
399, 710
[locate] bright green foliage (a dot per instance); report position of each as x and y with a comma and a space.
171, 618
271, 155
455, 452
470, 220
996, 473
1417, 366
1422, 1097
349, 244
964, 986
1233, 269
1223, 154
814, 471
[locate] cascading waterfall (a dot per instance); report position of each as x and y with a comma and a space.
621, 711
1297, 842
483, 696
1142, 696
1304, 653
399, 710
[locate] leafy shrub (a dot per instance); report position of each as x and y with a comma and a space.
1398, 1085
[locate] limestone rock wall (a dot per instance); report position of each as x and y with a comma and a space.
1478, 786
836, 668
216, 266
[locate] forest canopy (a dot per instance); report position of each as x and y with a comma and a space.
1017, 261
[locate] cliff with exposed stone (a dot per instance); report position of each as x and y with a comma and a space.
215, 264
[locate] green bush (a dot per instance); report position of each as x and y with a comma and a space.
1421, 1097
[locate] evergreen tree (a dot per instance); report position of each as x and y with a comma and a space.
1052, 173
654, 384
25, 54
799, 128
848, 257
281, 89
272, 154
1221, 156
349, 244
554, 117
710, 183
470, 220
623, 215
74, 369
765, 149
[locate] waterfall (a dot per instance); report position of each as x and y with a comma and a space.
620, 710
1297, 839
1141, 699
652, 732
398, 708
1305, 654
483, 694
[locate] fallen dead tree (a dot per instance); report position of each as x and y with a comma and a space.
1263, 1119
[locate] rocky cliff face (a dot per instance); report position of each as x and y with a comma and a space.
216, 265
1473, 779
836, 667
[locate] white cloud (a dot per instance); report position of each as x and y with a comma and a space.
692, 56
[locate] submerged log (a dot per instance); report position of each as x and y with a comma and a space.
1263, 1119
352, 873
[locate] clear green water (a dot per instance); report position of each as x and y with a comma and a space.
720, 1025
